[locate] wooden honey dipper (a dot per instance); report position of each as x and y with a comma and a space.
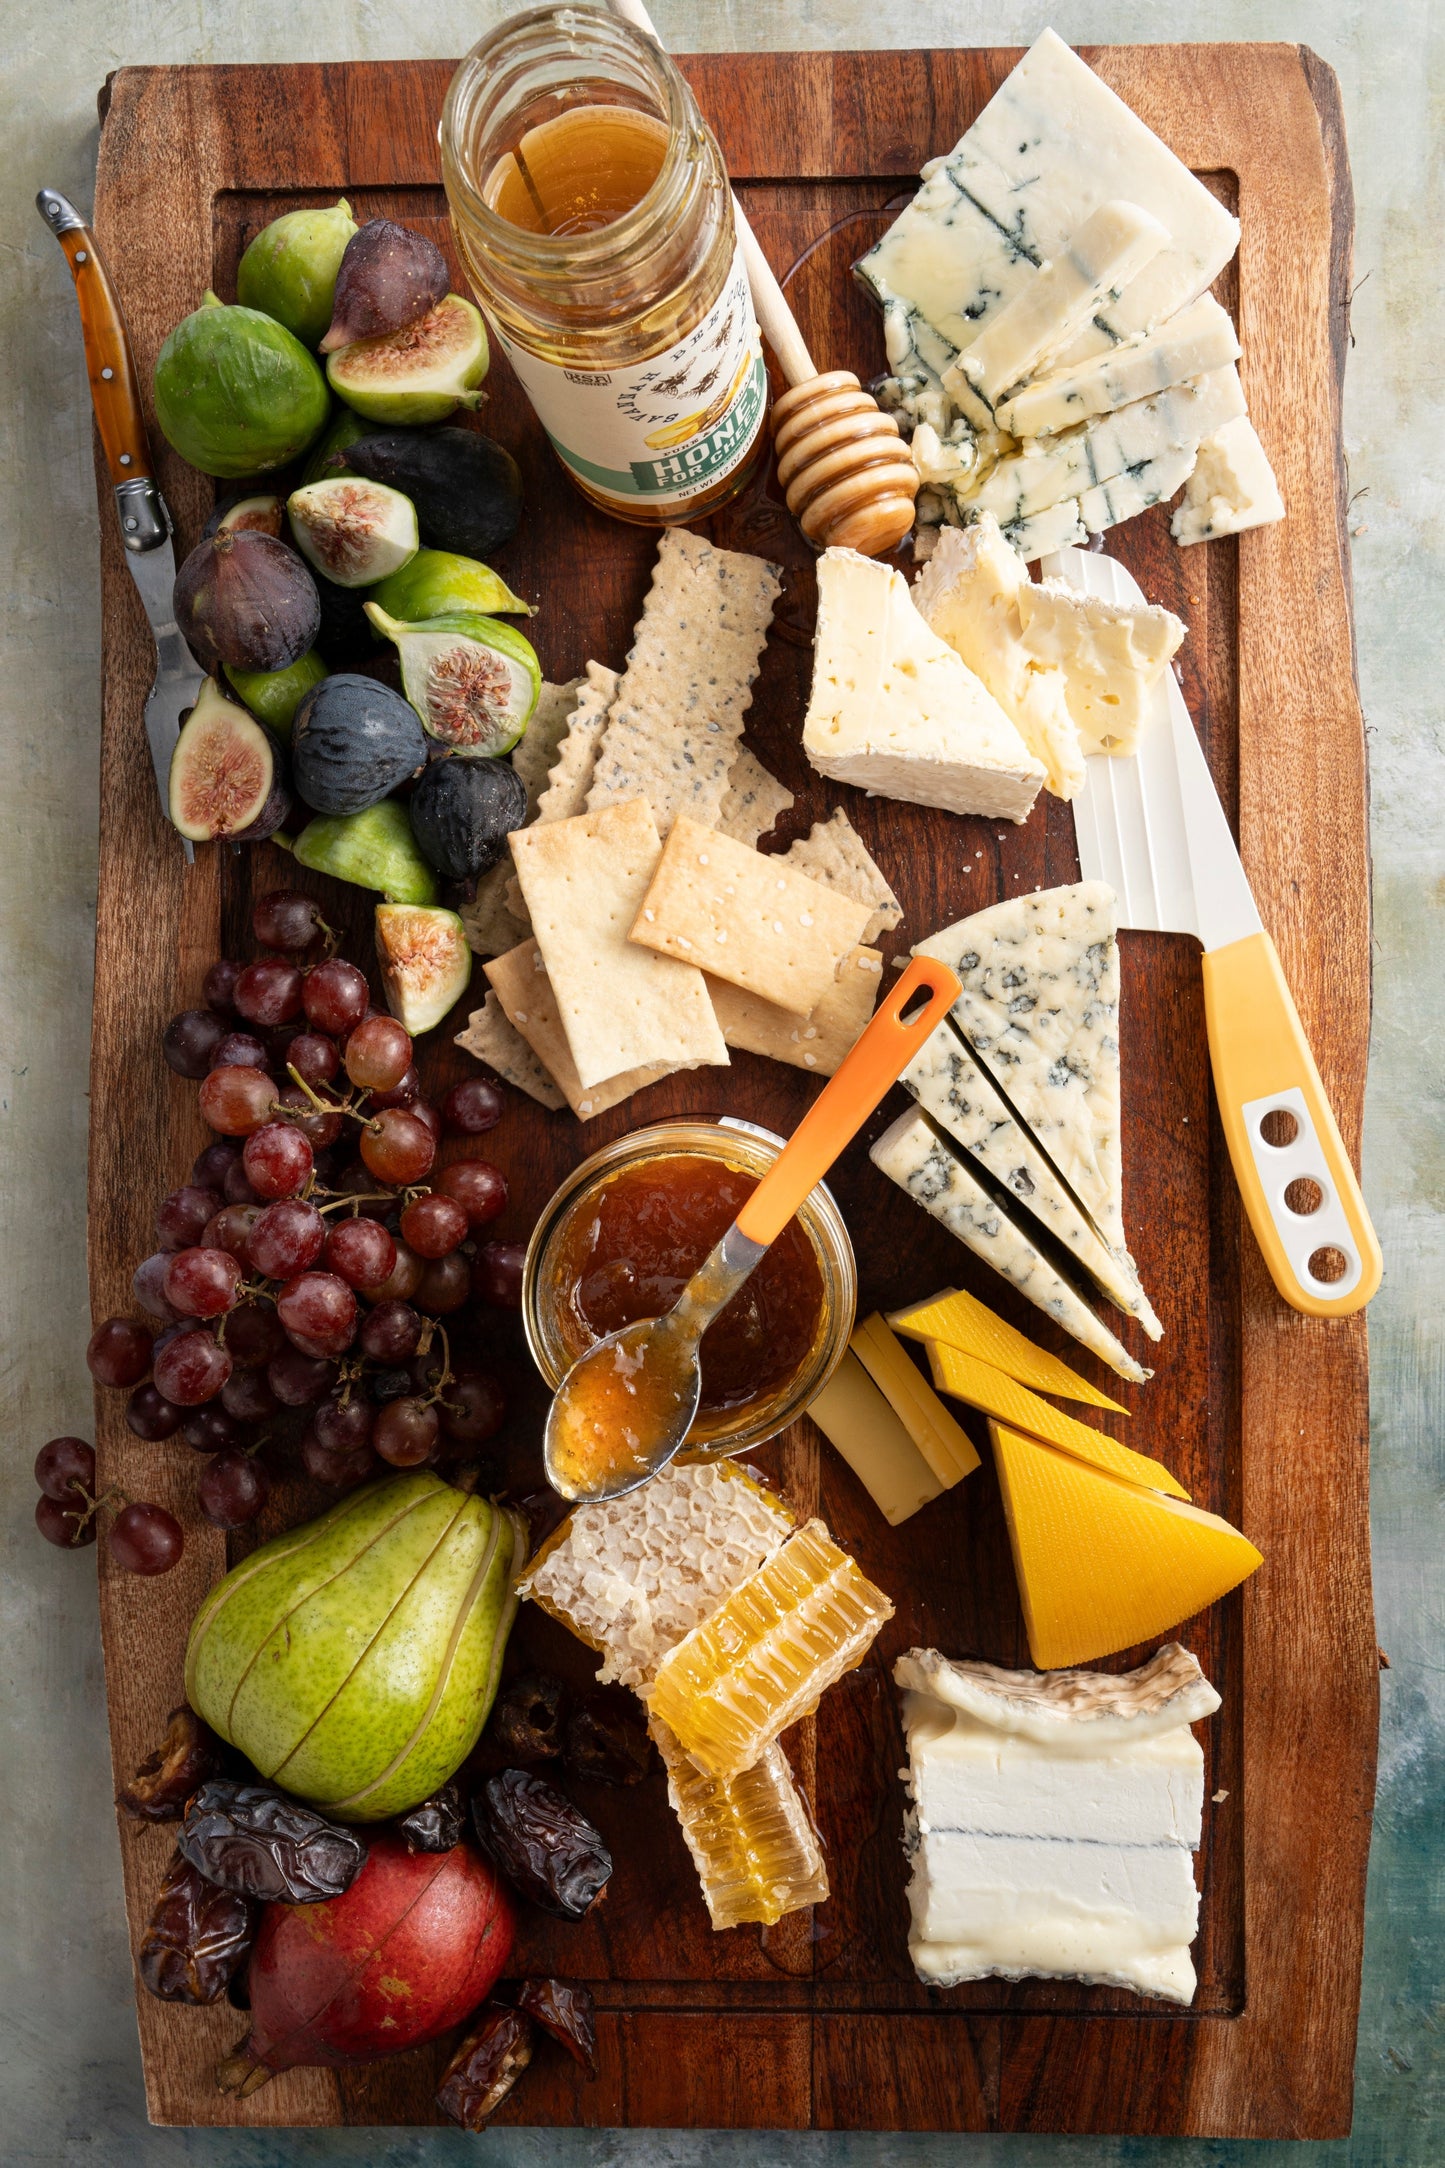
845, 470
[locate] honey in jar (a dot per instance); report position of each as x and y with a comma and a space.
592, 210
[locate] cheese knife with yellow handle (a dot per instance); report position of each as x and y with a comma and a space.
145, 523
1153, 828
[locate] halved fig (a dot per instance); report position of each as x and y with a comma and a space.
263, 514
389, 277
473, 681
353, 532
244, 600
418, 375
426, 963
228, 773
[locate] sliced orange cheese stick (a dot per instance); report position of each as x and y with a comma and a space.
990, 1390
960, 1320
942, 1441
1102, 1563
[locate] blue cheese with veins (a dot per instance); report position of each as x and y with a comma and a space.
1040, 1008
1232, 487
1051, 146
1199, 339
957, 1092
912, 1155
1108, 504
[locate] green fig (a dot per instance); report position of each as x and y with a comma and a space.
275, 695
354, 1660
438, 581
418, 375
289, 270
236, 393
374, 848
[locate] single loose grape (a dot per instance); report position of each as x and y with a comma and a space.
65, 1469
119, 1352
145, 1539
473, 1107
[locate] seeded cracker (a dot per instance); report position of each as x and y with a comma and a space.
673, 729
536, 749
754, 921
525, 992
568, 779
817, 1042
755, 801
492, 1039
833, 853
621, 1006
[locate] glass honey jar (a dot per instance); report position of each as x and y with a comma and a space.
592, 210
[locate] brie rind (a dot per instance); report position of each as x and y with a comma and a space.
1102, 1707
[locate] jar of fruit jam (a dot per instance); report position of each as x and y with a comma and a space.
592, 210
627, 1229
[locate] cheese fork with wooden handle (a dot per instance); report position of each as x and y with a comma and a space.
1153, 828
627, 1404
145, 523
848, 477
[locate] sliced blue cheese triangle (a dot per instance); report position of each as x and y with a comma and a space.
894, 711
1040, 1008
952, 1087
911, 1154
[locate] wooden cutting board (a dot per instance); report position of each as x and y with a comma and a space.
820, 2022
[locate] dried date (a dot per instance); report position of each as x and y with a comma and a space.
542, 1843
565, 2009
527, 1721
198, 1937
435, 1825
606, 1739
258, 1843
486, 2066
189, 1754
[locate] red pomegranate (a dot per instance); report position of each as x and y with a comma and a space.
412, 1947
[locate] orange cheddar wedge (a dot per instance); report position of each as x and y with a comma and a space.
960, 1320
942, 1441
997, 1395
1101, 1563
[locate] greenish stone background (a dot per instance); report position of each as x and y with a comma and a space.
70, 2086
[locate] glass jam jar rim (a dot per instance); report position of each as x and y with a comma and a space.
576, 253
830, 1238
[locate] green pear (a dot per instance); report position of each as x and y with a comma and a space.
354, 1660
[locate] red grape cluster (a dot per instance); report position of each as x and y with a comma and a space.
305, 1264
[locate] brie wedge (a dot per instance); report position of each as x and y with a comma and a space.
1112, 656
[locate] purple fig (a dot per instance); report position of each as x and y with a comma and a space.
390, 277
245, 600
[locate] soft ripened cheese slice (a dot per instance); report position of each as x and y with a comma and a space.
1090, 271
1051, 145
1112, 654
893, 710
1102, 1563
1040, 1008
911, 1154
946, 1447
1198, 339
968, 593
960, 1320
957, 1092
993, 1393
1232, 487
1071, 1712
859, 1424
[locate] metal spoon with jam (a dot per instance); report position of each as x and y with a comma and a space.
626, 1405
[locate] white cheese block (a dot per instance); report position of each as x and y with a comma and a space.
1089, 273
1040, 1008
1199, 339
969, 1887
952, 1087
911, 1154
893, 709
968, 593
1108, 504
1112, 655
1232, 486
1049, 468
1051, 146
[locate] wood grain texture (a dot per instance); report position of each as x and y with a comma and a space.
1262, 1413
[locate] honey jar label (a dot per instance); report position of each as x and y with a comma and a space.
664, 429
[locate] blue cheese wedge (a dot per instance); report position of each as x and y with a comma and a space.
1040, 1008
1053, 1818
1231, 489
893, 709
969, 594
1052, 145
1112, 655
911, 1154
1109, 504
1199, 339
955, 1090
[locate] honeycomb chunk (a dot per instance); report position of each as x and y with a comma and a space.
750, 1836
767, 1655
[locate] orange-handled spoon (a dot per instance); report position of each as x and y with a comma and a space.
626, 1405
